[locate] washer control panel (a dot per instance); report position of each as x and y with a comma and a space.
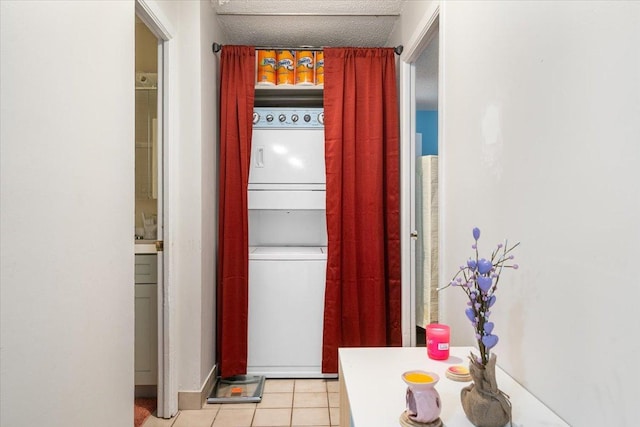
266, 117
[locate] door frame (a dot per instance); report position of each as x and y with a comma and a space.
167, 388
426, 29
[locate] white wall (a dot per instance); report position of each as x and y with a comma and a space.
187, 202
412, 16
67, 163
540, 144
209, 78
192, 164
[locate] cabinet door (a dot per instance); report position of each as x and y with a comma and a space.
146, 269
146, 335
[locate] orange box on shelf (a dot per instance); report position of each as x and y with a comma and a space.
266, 74
320, 68
286, 67
305, 67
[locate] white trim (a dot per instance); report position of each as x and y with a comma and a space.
155, 19
407, 203
426, 29
442, 155
169, 308
195, 399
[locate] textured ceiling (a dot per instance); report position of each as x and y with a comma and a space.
307, 22
316, 31
296, 23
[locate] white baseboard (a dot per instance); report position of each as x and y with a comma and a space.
196, 399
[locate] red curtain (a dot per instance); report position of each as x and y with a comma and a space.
362, 297
237, 78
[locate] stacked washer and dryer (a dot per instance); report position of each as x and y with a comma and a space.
287, 243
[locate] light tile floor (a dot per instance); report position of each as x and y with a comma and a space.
285, 402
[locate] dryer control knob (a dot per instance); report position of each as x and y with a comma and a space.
282, 118
294, 118
256, 117
269, 118
307, 118
321, 118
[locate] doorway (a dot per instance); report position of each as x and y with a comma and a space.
152, 100
419, 89
147, 183
426, 188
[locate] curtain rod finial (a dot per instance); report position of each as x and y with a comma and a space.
216, 47
398, 49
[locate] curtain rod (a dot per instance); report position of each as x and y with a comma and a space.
216, 47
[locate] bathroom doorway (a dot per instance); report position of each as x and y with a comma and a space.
147, 181
155, 363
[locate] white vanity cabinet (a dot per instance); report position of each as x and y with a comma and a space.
146, 320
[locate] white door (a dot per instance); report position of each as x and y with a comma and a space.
167, 391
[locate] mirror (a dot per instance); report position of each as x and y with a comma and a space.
146, 131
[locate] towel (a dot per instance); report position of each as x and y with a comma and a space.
427, 247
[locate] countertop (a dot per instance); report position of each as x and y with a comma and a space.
145, 247
375, 393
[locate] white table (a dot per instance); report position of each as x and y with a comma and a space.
372, 392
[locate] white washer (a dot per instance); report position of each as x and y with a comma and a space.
286, 311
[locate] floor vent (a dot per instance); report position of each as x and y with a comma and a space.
237, 389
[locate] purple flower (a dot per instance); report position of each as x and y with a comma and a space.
492, 300
484, 266
471, 315
490, 341
484, 283
488, 328
479, 281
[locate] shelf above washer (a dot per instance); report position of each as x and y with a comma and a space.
288, 96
